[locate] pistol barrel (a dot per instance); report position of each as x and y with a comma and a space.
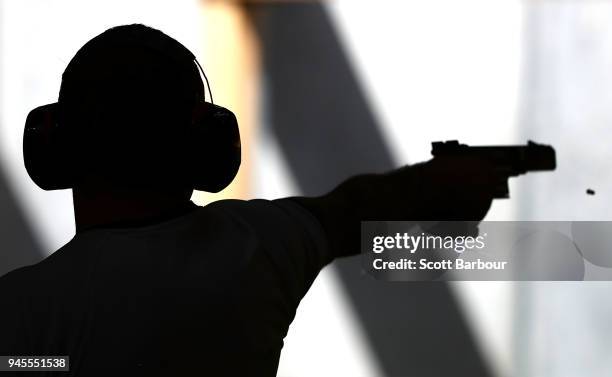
516, 159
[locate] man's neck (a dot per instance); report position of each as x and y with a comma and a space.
99, 209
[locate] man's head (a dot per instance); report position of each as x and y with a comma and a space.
127, 99
131, 133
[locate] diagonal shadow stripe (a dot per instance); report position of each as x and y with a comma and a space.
327, 132
17, 243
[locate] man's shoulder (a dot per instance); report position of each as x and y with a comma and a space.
261, 206
15, 281
40, 274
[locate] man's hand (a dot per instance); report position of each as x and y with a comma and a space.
456, 188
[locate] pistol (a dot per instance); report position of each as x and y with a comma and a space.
510, 160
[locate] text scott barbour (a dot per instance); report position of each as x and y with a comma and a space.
410, 244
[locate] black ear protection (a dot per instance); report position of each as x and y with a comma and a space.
212, 145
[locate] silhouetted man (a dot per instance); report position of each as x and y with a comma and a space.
152, 284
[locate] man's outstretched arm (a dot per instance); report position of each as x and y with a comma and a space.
440, 189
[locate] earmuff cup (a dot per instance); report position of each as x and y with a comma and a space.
46, 150
213, 149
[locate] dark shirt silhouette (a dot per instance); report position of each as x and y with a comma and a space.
154, 285
212, 290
